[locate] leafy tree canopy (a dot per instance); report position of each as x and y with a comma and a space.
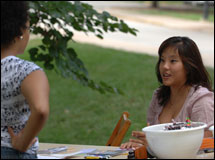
53, 19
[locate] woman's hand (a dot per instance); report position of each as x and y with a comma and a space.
136, 143
17, 140
141, 137
130, 144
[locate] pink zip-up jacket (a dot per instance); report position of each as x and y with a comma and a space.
198, 106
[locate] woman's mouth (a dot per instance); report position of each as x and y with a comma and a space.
166, 75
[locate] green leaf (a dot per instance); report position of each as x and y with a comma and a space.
106, 14
46, 40
99, 31
72, 53
48, 65
42, 47
53, 52
105, 27
55, 13
99, 36
33, 52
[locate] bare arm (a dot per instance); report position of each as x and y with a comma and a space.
35, 88
208, 134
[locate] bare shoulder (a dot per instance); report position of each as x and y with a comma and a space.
37, 76
35, 81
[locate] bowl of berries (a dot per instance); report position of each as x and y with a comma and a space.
175, 140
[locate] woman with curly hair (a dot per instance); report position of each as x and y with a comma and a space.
185, 89
24, 87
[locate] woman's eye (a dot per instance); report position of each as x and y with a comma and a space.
173, 60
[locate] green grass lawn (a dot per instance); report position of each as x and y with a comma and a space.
79, 115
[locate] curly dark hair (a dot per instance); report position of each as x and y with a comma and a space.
197, 74
14, 15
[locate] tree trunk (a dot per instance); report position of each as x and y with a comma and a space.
205, 10
155, 4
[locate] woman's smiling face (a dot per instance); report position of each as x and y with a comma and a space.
171, 68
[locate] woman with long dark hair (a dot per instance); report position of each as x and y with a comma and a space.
185, 89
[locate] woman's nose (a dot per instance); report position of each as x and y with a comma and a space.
166, 65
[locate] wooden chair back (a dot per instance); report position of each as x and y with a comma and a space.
120, 130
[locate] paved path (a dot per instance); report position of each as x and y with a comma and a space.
153, 30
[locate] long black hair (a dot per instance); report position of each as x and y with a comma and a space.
191, 58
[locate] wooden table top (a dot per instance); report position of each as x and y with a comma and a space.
75, 148
71, 148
